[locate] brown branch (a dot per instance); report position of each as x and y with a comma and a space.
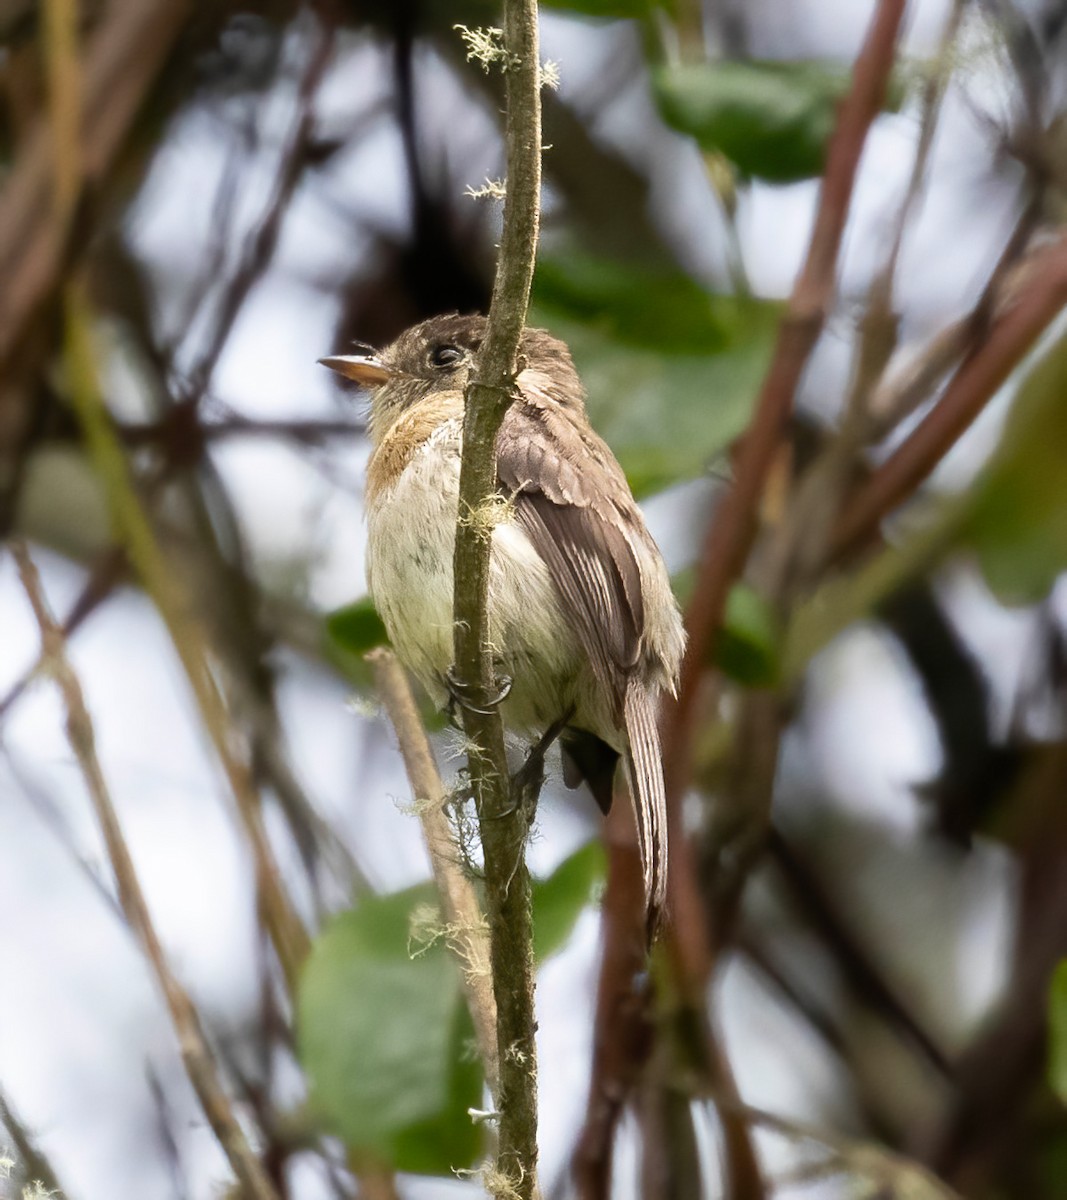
1036, 301
732, 529
862, 976
199, 1064
260, 244
467, 931
503, 824
169, 593
121, 64
726, 547
622, 1028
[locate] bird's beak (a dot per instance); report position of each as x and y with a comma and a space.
366, 369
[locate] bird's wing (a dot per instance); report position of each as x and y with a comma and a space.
571, 499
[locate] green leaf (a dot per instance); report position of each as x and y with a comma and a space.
383, 1030
748, 646
663, 310
613, 9
1057, 1020
383, 1036
357, 628
671, 370
1018, 522
558, 901
771, 119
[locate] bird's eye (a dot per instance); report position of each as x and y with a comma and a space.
445, 356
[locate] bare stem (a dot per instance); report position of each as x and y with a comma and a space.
287, 933
199, 1063
467, 930
731, 533
1038, 296
504, 826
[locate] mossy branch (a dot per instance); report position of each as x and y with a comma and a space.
504, 826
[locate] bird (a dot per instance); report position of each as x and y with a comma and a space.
582, 619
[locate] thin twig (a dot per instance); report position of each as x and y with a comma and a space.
1036, 301
800, 547
64, 102
121, 64
175, 606
468, 934
731, 532
260, 244
199, 1063
504, 826
903, 1175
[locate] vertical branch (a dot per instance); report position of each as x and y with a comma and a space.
503, 825
199, 1064
64, 96
121, 63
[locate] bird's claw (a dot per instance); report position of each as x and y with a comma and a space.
461, 693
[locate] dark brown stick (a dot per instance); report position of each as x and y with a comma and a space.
730, 535
1037, 301
199, 1064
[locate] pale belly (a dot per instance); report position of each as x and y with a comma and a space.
409, 569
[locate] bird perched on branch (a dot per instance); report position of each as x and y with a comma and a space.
582, 620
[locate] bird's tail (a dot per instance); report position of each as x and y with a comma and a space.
644, 763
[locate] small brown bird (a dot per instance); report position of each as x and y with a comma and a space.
581, 614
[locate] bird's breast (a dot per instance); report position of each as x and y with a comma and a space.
411, 518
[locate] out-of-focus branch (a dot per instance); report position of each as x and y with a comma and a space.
31, 1161
468, 935
162, 584
622, 1027
199, 1063
121, 63
732, 529
259, 248
1036, 299
691, 943
503, 824
64, 88
893, 1174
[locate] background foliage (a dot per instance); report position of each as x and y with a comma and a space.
197, 202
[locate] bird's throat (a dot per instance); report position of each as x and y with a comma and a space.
405, 437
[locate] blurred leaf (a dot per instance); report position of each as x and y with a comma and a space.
771, 119
354, 630
357, 628
383, 1033
747, 648
606, 8
1057, 1019
667, 311
558, 901
1018, 519
671, 370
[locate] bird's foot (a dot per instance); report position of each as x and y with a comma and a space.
471, 697
529, 779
